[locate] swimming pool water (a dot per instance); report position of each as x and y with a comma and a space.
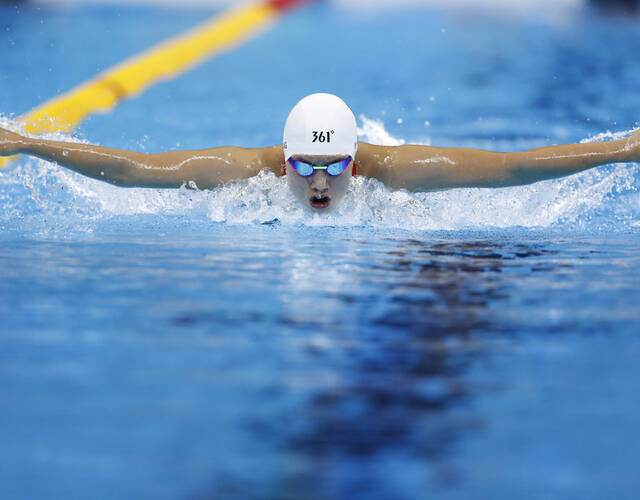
224, 344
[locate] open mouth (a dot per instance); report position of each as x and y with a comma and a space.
319, 201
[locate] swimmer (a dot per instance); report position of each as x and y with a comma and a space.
319, 155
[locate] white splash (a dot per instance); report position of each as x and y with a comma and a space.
609, 136
606, 197
374, 132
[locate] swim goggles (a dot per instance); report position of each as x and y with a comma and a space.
332, 168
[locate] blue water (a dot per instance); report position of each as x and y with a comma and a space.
225, 344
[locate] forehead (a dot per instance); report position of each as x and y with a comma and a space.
318, 158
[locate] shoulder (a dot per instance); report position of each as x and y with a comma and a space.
369, 152
372, 160
368, 156
271, 157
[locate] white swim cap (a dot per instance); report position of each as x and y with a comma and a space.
320, 124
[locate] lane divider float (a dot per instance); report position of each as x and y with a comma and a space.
164, 61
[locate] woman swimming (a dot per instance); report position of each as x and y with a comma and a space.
319, 155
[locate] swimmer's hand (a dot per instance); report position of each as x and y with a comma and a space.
11, 143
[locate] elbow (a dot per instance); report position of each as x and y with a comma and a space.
496, 171
119, 175
522, 176
139, 171
514, 174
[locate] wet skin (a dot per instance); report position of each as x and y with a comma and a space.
319, 192
411, 167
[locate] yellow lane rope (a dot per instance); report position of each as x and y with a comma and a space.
164, 61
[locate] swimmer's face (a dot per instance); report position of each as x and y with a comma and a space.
320, 192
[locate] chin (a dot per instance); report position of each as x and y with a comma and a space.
319, 210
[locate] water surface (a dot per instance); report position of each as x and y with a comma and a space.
225, 344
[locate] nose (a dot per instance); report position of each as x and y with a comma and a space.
319, 184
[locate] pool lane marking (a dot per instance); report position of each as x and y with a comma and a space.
164, 61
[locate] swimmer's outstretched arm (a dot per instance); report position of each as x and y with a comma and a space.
425, 168
206, 168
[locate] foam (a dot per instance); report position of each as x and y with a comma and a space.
603, 198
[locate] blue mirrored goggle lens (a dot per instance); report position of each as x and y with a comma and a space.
338, 167
306, 169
